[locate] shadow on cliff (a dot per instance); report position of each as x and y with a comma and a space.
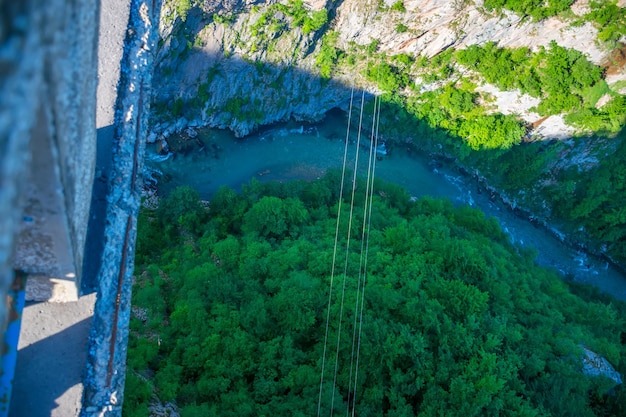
504, 171
228, 82
47, 369
243, 91
197, 19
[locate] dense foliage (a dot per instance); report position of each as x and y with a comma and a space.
552, 179
538, 9
230, 306
452, 109
609, 18
596, 202
564, 80
230, 301
328, 55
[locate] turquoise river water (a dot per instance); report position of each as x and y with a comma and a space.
296, 151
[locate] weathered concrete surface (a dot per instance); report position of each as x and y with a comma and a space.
43, 247
54, 338
113, 23
106, 363
71, 68
47, 108
48, 102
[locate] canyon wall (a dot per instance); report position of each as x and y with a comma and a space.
243, 64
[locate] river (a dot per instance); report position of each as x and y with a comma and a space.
297, 151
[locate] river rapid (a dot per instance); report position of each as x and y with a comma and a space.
300, 151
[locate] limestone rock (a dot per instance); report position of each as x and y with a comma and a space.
596, 365
232, 72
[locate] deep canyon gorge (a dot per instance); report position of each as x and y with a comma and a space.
514, 108
240, 260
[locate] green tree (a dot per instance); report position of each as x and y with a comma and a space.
388, 77
274, 217
398, 6
182, 8
182, 207
328, 54
456, 319
317, 20
609, 18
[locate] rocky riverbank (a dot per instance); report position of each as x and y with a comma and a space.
238, 66
533, 210
559, 231
180, 137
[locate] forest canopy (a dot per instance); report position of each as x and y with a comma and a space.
230, 306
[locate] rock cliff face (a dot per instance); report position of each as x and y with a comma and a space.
217, 72
435, 25
241, 64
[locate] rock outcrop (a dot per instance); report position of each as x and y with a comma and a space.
242, 64
435, 25
596, 365
218, 71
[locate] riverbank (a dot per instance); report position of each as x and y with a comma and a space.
293, 151
164, 133
525, 213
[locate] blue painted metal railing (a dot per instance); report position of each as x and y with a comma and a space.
16, 299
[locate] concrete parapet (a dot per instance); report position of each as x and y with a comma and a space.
48, 78
47, 137
106, 360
